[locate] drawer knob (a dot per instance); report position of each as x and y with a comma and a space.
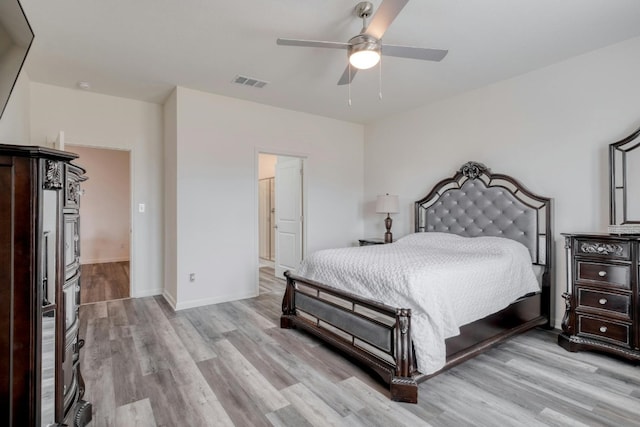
602, 301
602, 273
603, 329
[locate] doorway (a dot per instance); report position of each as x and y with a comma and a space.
280, 217
105, 215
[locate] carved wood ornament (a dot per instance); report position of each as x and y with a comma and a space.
602, 248
53, 175
74, 192
473, 170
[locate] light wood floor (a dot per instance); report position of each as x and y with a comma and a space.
231, 364
104, 282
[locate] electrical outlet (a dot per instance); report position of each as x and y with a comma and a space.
192, 277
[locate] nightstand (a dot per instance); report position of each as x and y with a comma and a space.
602, 294
372, 241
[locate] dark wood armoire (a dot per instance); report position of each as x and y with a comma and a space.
40, 379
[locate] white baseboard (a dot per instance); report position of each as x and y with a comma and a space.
103, 260
169, 299
208, 301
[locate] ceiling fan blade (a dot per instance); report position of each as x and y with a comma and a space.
312, 43
384, 16
344, 80
414, 52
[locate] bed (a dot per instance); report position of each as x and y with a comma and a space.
474, 203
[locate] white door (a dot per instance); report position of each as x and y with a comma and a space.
288, 223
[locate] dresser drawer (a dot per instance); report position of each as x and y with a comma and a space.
613, 304
604, 248
608, 274
618, 333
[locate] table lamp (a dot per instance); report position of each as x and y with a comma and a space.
387, 204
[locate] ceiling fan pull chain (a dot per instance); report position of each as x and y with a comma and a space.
380, 79
349, 67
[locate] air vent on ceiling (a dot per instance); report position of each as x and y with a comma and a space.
249, 81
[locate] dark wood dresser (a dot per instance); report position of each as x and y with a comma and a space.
40, 379
602, 298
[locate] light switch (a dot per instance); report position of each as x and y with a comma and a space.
141, 208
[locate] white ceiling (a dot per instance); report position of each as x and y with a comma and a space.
141, 49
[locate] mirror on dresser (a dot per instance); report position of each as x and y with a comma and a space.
49, 281
624, 183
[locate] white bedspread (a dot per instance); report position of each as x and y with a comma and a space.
447, 281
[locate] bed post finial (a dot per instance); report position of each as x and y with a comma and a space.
288, 302
403, 386
473, 170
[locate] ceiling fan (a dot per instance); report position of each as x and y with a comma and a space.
364, 49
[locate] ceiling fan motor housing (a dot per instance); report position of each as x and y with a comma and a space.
364, 9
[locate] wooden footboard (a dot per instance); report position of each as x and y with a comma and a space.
377, 335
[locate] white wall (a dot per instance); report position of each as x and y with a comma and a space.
14, 124
96, 120
218, 140
106, 205
549, 128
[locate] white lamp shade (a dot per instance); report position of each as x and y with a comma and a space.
387, 204
364, 59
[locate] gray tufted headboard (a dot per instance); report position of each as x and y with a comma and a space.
475, 202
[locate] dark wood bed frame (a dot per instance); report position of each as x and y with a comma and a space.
379, 336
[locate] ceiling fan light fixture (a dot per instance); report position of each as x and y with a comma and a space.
364, 52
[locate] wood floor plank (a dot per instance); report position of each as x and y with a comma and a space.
129, 378
118, 320
182, 364
235, 400
580, 388
311, 406
151, 356
134, 311
204, 405
242, 311
263, 361
265, 396
287, 417
166, 401
97, 370
553, 418
135, 414
196, 345
386, 411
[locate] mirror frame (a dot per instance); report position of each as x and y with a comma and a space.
15, 25
623, 146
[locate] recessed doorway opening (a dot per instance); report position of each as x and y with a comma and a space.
105, 215
280, 218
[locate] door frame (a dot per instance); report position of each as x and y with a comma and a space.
256, 206
132, 207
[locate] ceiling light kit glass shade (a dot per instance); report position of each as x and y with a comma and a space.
387, 204
364, 52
